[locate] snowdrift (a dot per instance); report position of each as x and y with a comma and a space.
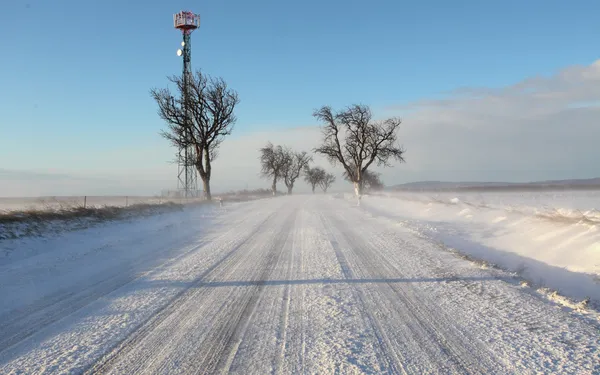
551, 239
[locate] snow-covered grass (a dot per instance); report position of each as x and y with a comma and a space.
551, 239
22, 217
17, 224
58, 203
69, 202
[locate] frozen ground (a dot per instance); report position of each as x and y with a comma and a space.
8, 205
551, 239
56, 203
301, 284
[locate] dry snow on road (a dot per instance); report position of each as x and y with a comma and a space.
291, 285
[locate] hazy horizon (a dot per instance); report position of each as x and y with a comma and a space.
300, 187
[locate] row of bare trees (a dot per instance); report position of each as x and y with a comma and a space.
201, 114
280, 163
351, 139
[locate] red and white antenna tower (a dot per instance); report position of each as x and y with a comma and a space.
187, 178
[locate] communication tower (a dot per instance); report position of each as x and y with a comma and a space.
187, 178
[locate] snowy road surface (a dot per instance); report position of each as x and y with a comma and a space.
293, 285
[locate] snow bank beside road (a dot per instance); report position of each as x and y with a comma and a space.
57, 215
37, 268
551, 239
17, 224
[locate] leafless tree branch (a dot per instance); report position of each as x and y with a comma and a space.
199, 115
352, 139
272, 163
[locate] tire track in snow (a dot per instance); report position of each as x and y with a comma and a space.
20, 324
500, 324
283, 323
155, 353
36, 317
372, 265
437, 321
220, 356
392, 361
497, 325
120, 349
291, 329
303, 347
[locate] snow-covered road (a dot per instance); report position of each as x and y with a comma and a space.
292, 285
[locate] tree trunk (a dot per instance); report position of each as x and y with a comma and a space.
274, 186
313, 188
358, 190
206, 184
290, 190
205, 178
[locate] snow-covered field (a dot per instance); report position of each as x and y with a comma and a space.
550, 238
299, 284
57, 203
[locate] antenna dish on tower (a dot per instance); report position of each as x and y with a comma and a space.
179, 52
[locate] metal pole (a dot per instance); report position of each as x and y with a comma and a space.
190, 183
187, 22
186, 83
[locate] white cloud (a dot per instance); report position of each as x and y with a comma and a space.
540, 128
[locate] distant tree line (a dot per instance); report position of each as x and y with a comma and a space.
352, 139
200, 114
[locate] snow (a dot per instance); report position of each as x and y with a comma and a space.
66, 202
297, 284
551, 239
11, 204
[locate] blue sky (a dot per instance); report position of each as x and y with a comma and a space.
75, 75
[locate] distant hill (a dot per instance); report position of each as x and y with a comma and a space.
581, 184
584, 182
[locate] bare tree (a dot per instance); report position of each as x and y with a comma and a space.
351, 138
313, 176
294, 163
326, 181
199, 117
272, 162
